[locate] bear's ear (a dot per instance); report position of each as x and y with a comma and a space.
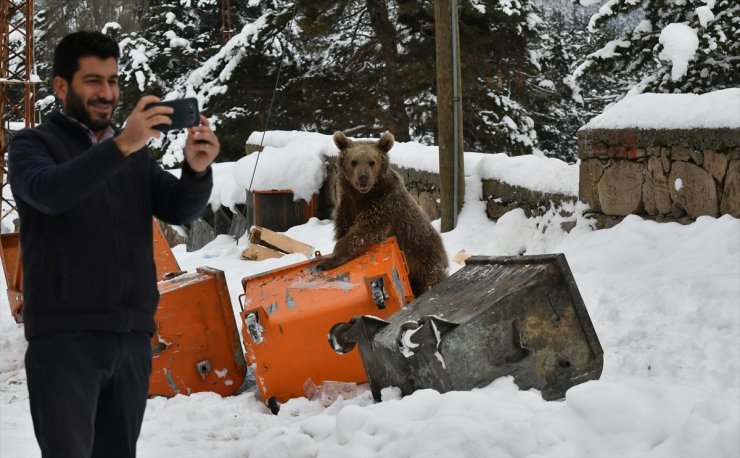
386, 142
341, 140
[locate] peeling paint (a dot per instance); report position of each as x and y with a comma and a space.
289, 301
171, 381
437, 337
407, 345
272, 308
344, 284
181, 282
398, 285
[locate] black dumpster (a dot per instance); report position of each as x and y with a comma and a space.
521, 316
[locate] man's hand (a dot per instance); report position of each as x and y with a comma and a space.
202, 146
140, 125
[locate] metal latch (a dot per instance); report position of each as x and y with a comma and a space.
377, 288
254, 328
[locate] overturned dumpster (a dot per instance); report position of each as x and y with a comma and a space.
520, 316
196, 345
290, 314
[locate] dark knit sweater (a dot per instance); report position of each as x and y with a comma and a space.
86, 227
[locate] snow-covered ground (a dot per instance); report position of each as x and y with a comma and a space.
664, 299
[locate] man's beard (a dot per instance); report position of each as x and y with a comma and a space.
75, 107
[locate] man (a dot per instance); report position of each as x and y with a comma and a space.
86, 193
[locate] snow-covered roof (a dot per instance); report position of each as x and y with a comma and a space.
713, 110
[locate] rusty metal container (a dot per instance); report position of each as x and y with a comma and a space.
10, 251
196, 347
289, 315
520, 316
278, 210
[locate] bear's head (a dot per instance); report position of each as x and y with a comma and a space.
362, 163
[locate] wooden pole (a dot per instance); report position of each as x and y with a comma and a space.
449, 117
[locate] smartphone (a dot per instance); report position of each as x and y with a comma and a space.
186, 113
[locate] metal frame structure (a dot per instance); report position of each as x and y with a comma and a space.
17, 88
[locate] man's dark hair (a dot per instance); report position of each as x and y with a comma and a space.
80, 44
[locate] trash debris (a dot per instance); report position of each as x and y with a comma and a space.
329, 391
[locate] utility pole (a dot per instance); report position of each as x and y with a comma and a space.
449, 112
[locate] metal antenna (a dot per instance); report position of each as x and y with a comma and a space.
269, 112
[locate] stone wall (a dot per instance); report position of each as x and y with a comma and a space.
665, 174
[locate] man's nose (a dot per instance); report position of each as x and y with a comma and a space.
107, 91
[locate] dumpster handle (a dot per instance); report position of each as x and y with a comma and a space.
241, 301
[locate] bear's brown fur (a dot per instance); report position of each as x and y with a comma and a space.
373, 205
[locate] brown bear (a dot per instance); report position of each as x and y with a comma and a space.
373, 205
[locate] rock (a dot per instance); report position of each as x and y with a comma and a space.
681, 153
665, 160
696, 192
620, 189
199, 234
590, 172
656, 197
428, 203
731, 193
697, 156
716, 164
495, 208
239, 225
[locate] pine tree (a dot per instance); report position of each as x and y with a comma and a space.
556, 113
362, 66
177, 38
497, 66
647, 50
53, 19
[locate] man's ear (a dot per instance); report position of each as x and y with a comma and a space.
61, 87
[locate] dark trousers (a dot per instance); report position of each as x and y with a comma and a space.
88, 392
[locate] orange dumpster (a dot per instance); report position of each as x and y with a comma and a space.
10, 248
289, 313
164, 259
196, 346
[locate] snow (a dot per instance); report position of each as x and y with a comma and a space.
663, 297
713, 110
705, 15
679, 46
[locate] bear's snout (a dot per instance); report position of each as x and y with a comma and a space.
363, 182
